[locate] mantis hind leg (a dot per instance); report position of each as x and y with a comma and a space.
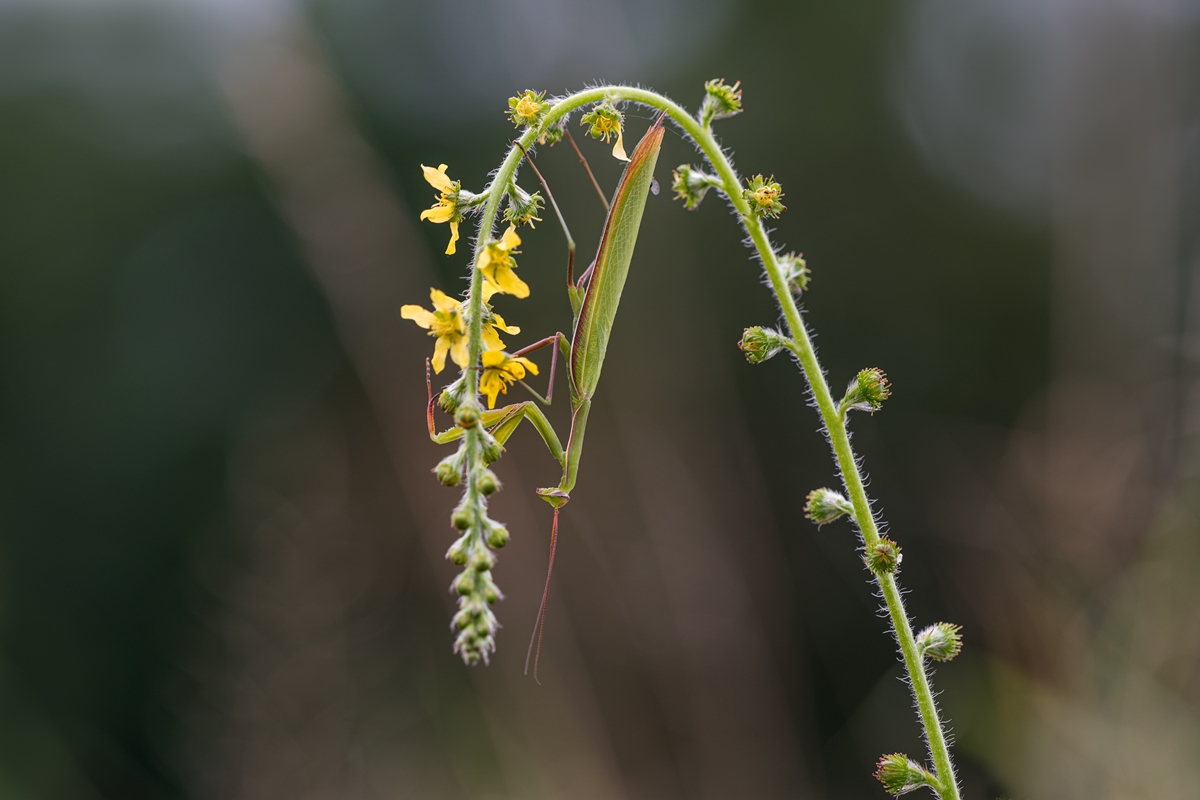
539, 624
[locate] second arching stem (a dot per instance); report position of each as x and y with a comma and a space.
800, 344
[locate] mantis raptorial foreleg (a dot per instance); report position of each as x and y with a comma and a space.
501, 423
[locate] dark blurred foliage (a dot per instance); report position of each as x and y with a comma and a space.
221, 565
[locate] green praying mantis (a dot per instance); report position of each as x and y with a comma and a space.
594, 299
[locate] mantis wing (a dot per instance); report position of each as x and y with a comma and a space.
612, 265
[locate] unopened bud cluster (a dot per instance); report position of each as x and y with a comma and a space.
826, 505
795, 271
523, 208
475, 623
691, 184
759, 344
899, 774
941, 642
867, 391
720, 101
883, 557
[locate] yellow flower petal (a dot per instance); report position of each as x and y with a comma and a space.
488, 291
493, 359
440, 213
506, 280
458, 352
453, 238
532, 367
491, 339
438, 179
499, 323
443, 302
418, 315
439, 354
510, 239
491, 386
619, 149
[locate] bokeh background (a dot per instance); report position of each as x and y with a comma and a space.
221, 548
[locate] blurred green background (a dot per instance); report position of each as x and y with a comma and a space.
221, 549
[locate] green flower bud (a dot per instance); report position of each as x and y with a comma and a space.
492, 450
720, 101
795, 271
900, 775
464, 584
527, 108
941, 642
451, 396
466, 417
497, 537
759, 344
883, 557
826, 505
867, 391
491, 594
461, 519
461, 620
472, 651
458, 552
762, 194
477, 640
691, 184
482, 561
449, 471
523, 208
553, 134
488, 483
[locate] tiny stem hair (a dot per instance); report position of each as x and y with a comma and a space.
832, 412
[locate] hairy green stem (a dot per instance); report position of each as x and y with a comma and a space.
800, 345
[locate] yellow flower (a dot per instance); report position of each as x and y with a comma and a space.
446, 208
500, 371
605, 121
527, 108
447, 324
496, 263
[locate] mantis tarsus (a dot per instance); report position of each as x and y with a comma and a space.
594, 299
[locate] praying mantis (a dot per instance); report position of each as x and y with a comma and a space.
594, 299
